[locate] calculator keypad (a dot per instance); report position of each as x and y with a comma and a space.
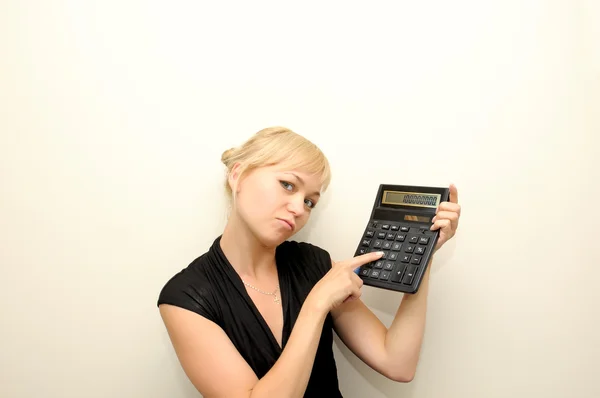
404, 247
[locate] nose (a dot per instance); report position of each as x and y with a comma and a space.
296, 205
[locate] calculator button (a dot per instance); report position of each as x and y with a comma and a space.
395, 228
416, 260
393, 256
378, 264
370, 234
405, 258
384, 256
385, 226
424, 240
390, 236
375, 274
410, 274
385, 275
377, 243
388, 266
381, 235
365, 272
397, 246
413, 239
420, 250
404, 229
400, 237
374, 224
387, 245
409, 249
397, 274
362, 251
366, 242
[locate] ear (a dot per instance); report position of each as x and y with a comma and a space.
234, 176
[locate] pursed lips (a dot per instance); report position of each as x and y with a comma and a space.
288, 222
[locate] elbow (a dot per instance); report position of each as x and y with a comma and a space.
404, 378
402, 375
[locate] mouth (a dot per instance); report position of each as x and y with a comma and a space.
289, 224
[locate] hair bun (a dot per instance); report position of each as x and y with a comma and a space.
226, 156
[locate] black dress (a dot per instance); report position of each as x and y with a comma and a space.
210, 287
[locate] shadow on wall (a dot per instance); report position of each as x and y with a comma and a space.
385, 386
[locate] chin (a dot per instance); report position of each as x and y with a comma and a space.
272, 242
269, 239
272, 239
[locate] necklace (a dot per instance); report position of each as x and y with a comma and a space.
274, 294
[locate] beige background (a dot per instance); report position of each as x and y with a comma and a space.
113, 117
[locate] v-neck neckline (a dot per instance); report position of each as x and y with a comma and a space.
283, 294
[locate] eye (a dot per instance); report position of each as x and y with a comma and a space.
310, 203
287, 185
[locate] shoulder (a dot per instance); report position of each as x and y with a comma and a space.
306, 256
191, 289
305, 251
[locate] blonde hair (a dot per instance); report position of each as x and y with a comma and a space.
277, 145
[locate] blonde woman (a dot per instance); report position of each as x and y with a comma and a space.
254, 315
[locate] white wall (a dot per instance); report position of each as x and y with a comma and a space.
113, 116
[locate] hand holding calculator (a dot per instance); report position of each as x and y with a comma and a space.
400, 227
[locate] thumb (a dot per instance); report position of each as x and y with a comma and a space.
453, 194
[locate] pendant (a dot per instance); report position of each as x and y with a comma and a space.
276, 299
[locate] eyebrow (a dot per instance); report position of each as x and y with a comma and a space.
302, 181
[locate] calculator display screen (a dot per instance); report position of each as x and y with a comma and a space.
411, 199
417, 218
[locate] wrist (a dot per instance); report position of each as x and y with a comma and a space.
315, 306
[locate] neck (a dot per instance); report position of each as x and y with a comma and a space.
248, 256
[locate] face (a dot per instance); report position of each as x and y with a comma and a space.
275, 203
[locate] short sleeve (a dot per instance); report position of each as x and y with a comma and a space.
191, 290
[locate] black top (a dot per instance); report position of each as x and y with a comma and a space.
210, 287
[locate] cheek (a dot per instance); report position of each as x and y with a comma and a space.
270, 202
261, 200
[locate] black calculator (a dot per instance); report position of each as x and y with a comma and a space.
399, 226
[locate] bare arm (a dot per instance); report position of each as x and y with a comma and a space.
216, 369
290, 374
395, 352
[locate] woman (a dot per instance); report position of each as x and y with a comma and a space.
254, 315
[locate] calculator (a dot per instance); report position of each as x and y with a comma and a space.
399, 226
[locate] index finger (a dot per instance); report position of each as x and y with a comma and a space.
453, 193
366, 258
